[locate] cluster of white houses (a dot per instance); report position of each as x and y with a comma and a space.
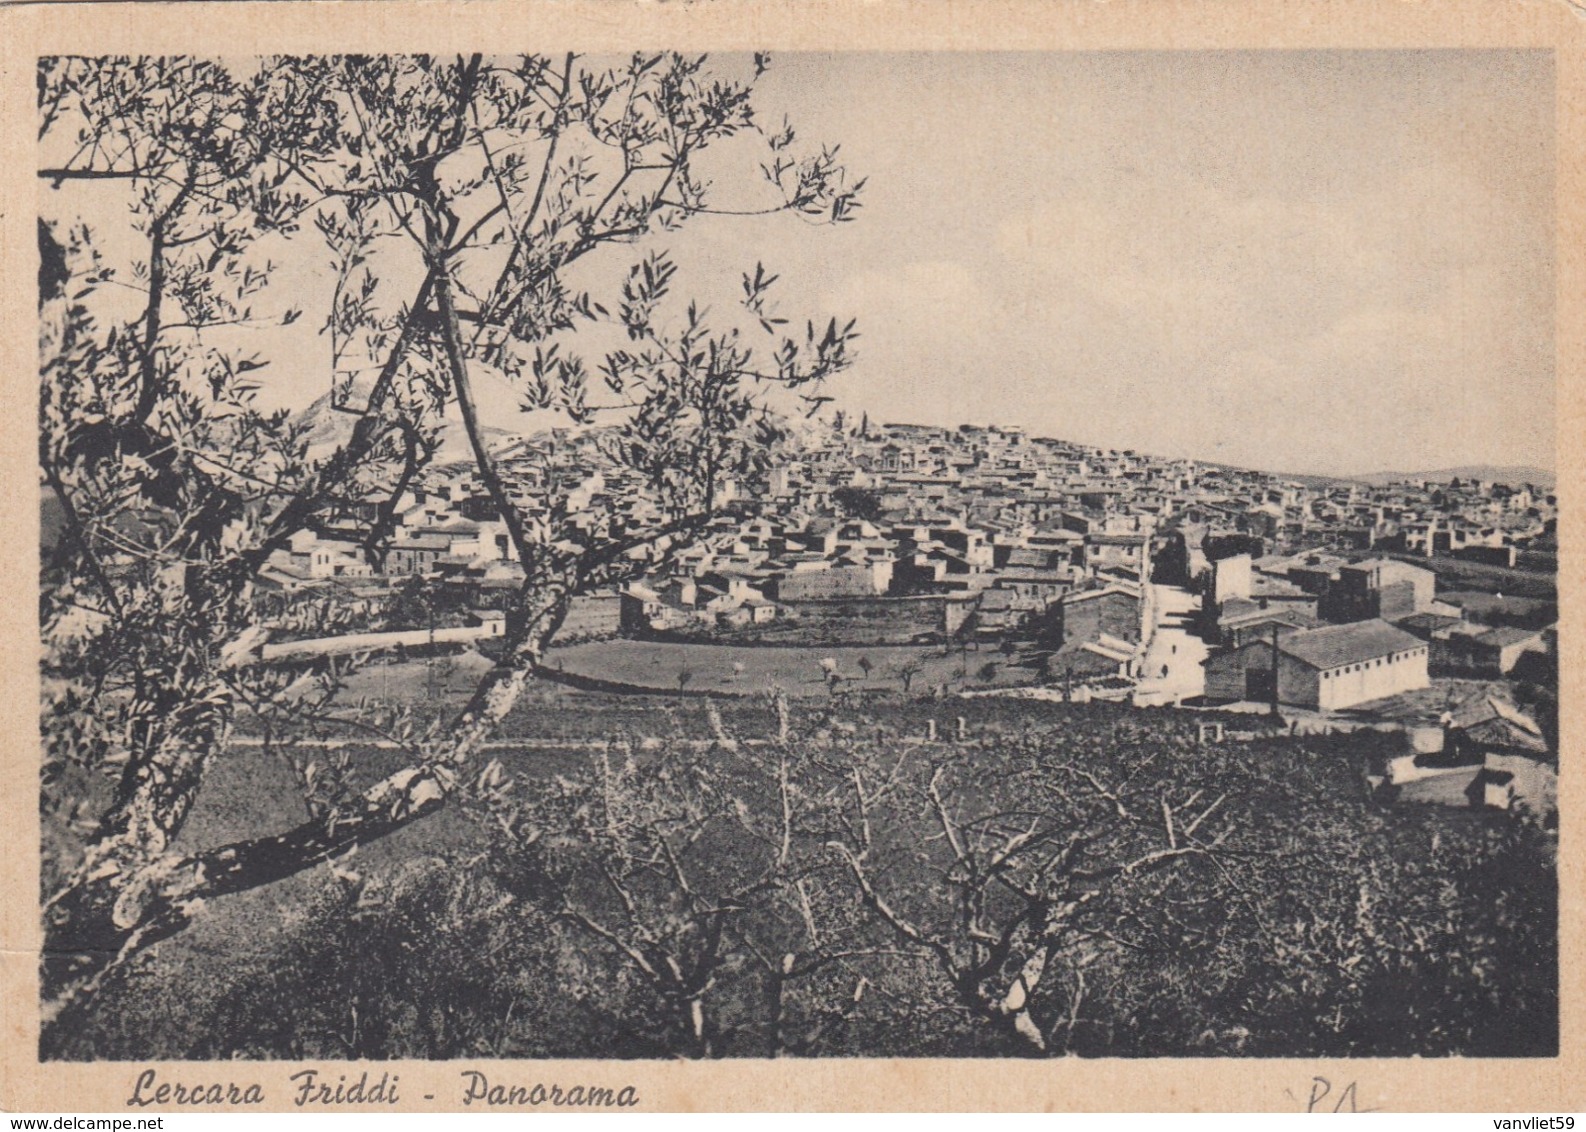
987, 532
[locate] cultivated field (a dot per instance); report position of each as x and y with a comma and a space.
370, 956
746, 669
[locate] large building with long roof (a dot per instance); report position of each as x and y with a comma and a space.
1328, 669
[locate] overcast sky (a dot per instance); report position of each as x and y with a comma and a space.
1330, 262
1305, 261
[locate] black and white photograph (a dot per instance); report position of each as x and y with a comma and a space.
667, 554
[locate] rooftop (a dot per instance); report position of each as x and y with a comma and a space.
1334, 646
1505, 636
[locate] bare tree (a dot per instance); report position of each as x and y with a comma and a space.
697, 871
660, 858
1000, 876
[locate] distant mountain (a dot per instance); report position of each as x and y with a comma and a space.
1493, 473
329, 427
1314, 482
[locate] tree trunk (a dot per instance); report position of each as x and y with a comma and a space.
1015, 1005
776, 986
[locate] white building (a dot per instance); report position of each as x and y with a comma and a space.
1329, 669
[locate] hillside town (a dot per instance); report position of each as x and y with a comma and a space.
568, 563
1095, 573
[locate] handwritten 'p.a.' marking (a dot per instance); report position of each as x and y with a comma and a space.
1348, 1099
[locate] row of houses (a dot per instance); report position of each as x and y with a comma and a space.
901, 531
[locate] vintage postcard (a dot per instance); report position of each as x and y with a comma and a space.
612, 556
